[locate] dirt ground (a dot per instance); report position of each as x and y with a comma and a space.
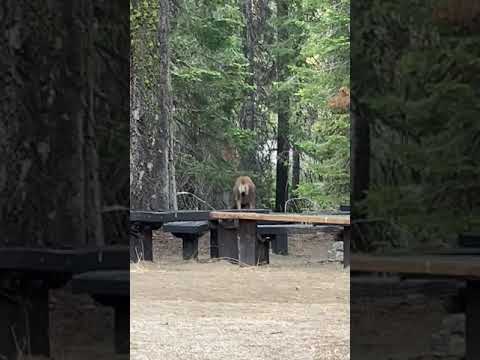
80, 329
390, 318
295, 308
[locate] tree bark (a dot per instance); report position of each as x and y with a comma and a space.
360, 154
248, 121
49, 177
171, 171
295, 169
283, 148
138, 149
93, 190
152, 152
159, 171
252, 117
248, 114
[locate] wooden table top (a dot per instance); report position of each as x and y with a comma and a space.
343, 220
465, 266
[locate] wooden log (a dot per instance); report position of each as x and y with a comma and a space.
227, 240
473, 320
252, 251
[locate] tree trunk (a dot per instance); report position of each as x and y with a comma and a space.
171, 169
295, 169
159, 172
152, 155
252, 116
72, 208
248, 114
49, 175
283, 148
360, 168
93, 190
135, 149
360, 154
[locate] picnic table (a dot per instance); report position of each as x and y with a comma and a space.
142, 224
238, 240
460, 265
29, 273
233, 233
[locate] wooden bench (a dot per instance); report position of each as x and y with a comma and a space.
189, 232
464, 267
28, 274
142, 224
278, 233
238, 237
110, 288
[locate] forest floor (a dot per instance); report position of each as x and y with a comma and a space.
295, 308
79, 328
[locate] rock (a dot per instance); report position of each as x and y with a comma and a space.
335, 253
337, 245
456, 346
454, 324
439, 343
449, 343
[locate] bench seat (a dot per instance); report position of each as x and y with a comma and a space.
110, 288
189, 232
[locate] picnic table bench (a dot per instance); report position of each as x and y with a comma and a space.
189, 232
277, 234
142, 224
110, 288
460, 266
28, 274
238, 240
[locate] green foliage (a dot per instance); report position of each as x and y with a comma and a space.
322, 67
211, 80
424, 119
